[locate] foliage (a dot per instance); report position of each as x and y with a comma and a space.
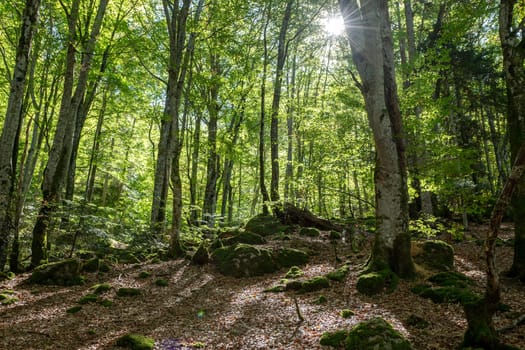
136, 342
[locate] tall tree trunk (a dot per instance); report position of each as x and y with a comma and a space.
282, 49
289, 126
11, 127
60, 153
368, 29
262, 124
194, 209
513, 47
209, 206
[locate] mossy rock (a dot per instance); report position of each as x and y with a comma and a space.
309, 232
7, 298
246, 237
136, 342
128, 292
101, 288
144, 274
346, 313
62, 273
314, 284
334, 235
375, 334
7, 275
74, 309
448, 294
161, 282
105, 302
335, 339
91, 265
434, 255
244, 260
103, 266
201, 255
265, 225
321, 300
88, 298
376, 282
288, 257
275, 289
338, 274
294, 272
417, 322
451, 279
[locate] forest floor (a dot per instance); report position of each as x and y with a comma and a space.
202, 308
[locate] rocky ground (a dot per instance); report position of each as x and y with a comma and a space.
200, 308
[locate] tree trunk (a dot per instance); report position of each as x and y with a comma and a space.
194, 209
11, 127
513, 47
262, 128
282, 48
368, 29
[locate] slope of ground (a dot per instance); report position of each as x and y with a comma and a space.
201, 308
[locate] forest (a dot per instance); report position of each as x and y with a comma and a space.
265, 174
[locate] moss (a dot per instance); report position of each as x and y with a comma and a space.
288, 257
321, 300
64, 273
161, 282
128, 292
435, 255
334, 235
346, 313
275, 289
74, 309
335, 339
7, 275
449, 295
265, 225
338, 274
198, 345
294, 285
294, 272
144, 274
314, 284
244, 260
103, 266
417, 322
136, 342
376, 282
89, 298
101, 288
7, 298
375, 334
247, 237
91, 265
451, 279
105, 302
309, 232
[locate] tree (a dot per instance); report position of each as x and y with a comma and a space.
12, 125
511, 29
368, 29
60, 153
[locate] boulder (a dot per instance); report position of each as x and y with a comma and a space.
309, 232
376, 282
264, 225
244, 260
288, 257
62, 273
435, 255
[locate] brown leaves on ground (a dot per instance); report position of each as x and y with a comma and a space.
200, 307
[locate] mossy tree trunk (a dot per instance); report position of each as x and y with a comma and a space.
368, 27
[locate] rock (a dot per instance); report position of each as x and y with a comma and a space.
338, 274
128, 292
136, 342
294, 272
417, 322
376, 282
447, 287
375, 334
435, 255
62, 273
264, 225
201, 255
335, 339
247, 237
288, 257
244, 260
309, 232
314, 284
346, 313
91, 265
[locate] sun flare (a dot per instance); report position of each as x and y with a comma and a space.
334, 25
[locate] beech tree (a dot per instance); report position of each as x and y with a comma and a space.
368, 29
12, 125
